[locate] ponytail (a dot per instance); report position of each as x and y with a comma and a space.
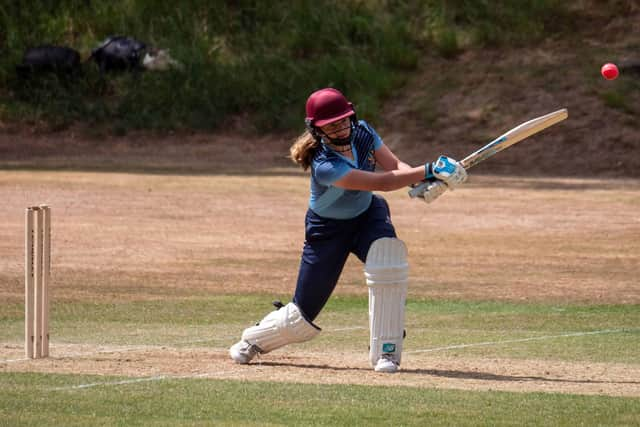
303, 149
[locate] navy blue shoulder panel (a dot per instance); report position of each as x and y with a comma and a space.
364, 142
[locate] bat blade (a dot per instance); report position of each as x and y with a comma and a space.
514, 136
505, 140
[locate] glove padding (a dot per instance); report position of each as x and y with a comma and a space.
441, 175
431, 190
448, 171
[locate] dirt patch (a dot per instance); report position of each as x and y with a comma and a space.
120, 237
187, 153
421, 371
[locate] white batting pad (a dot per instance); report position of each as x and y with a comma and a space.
387, 272
279, 328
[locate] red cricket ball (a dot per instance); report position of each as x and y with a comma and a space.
609, 71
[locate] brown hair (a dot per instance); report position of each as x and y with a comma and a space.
303, 150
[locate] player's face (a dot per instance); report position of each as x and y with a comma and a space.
338, 130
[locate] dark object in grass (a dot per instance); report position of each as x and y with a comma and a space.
46, 59
119, 53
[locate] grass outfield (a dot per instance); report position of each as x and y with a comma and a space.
531, 318
593, 333
36, 399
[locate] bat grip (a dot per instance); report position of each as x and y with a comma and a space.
419, 189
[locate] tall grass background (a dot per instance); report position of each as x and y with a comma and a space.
249, 61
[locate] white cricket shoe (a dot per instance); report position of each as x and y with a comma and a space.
242, 352
386, 363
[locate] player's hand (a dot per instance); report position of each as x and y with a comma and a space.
446, 170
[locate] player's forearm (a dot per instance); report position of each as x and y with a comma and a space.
381, 181
403, 176
403, 166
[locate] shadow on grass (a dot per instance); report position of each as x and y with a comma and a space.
486, 376
456, 374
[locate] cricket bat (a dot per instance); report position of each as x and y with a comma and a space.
504, 141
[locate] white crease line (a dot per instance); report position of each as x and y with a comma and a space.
546, 337
71, 355
123, 382
211, 374
141, 380
125, 349
106, 351
14, 360
452, 347
122, 349
353, 328
429, 350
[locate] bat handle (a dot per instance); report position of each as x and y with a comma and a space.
419, 189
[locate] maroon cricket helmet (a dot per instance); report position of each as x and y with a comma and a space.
326, 106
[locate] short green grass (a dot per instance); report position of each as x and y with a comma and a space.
148, 306
36, 399
594, 333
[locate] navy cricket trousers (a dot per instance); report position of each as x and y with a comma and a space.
328, 243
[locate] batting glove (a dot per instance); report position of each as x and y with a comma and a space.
428, 190
433, 191
446, 170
